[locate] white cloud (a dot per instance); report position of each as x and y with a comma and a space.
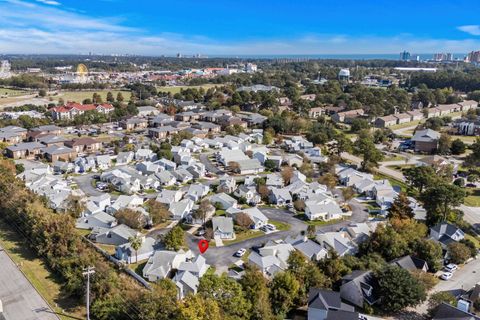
49, 2
471, 29
30, 27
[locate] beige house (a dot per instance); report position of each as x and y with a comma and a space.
84, 145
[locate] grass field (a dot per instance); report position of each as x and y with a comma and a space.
394, 158
242, 236
4, 92
47, 283
79, 96
304, 218
177, 89
281, 226
473, 198
406, 125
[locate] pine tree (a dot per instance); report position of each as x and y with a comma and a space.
400, 208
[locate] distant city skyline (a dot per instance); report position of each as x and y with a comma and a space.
246, 28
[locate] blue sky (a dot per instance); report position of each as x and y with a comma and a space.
244, 27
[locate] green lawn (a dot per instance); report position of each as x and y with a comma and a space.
304, 218
400, 167
473, 239
79, 96
406, 125
47, 283
394, 158
281, 226
219, 212
4, 92
177, 89
473, 198
242, 236
138, 267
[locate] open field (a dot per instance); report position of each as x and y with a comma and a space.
177, 89
47, 283
473, 198
4, 92
79, 96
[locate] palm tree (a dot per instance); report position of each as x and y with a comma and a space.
135, 243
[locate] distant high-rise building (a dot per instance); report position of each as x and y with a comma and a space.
474, 57
251, 67
405, 56
443, 57
5, 69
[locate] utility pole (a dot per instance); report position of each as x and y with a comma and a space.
87, 272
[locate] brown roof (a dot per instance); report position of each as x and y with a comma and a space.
82, 142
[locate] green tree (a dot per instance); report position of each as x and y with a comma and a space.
135, 243
444, 144
228, 293
398, 289
284, 292
439, 199
270, 165
438, 298
348, 193
400, 208
387, 242
430, 251
333, 267
110, 97
120, 97
473, 159
160, 303
257, 293
196, 307
371, 155
174, 239
420, 177
458, 147
307, 274
458, 252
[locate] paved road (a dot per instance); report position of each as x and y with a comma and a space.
463, 279
223, 256
382, 169
84, 183
471, 215
208, 164
20, 299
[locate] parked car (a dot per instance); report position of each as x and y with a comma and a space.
240, 252
446, 275
200, 232
451, 267
270, 227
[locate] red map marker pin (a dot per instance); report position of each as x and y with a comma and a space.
202, 245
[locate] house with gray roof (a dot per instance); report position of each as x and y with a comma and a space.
358, 288
280, 196
223, 228
117, 235
426, 140
181, 209
169, 196
96, 220
166, 178
162, 263
310, 249
328, 305
337, 241
446, 233
124, 158
126, 253
224, 200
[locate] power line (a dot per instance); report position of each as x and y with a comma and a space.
88, 271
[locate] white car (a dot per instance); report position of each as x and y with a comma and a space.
446, 275
240, 252
270, 227
451, 267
